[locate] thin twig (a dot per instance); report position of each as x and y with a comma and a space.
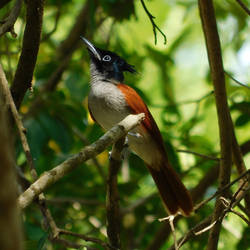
8, 25
244, 7
155, 27
198, 154
244, 210
10, 102
170, 220
84, 237
197, 229
198, 206
196, 101
57, 17
241, 216
235, 80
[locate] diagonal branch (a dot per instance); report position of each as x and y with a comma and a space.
55, 174
209, 157
31, 41
243, 6
243, 177
238, 82
10, 103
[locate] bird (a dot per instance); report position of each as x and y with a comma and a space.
110, 100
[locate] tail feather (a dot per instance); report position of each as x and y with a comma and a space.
173, 193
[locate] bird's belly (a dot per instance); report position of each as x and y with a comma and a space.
108, 108
107, 118
142, 144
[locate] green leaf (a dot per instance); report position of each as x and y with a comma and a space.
242, 120
42, 241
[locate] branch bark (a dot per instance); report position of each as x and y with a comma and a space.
10, 227
112, 199
9, 102
63, 55
31, 41
52, 176
243, 6
217, 73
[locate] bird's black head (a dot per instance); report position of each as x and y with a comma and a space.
107, 63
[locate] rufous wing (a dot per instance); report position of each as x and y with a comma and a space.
173, 193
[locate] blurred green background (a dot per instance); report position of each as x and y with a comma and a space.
174, 81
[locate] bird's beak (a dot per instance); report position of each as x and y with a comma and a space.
91, 48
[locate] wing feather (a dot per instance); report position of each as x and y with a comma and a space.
137, 106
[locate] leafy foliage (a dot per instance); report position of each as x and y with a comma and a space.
173, 80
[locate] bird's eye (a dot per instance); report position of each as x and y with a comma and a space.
106, 58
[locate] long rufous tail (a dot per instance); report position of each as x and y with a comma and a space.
173, 193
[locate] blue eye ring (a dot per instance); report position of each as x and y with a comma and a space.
106, 58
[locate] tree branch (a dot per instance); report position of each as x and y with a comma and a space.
217, 73
8, 23
31, 41
222, 189
243, 6
52, 176
204, 224
209, 157
10, 226
112, 199
235, 80
154, 25
9, 102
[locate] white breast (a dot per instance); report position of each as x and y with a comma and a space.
107, 103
